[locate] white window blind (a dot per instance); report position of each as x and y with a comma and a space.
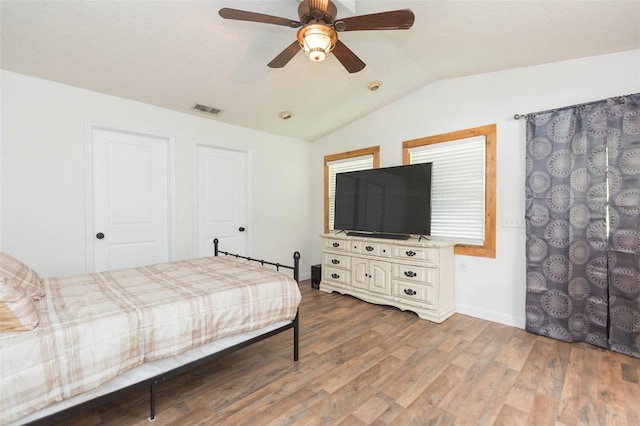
458, 188
351, 164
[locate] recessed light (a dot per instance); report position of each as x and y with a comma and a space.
374, 85
285, 115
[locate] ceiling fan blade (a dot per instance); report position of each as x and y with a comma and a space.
285, 56
243, 15
347, 58
392, 20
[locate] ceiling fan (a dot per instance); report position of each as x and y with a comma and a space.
318, 33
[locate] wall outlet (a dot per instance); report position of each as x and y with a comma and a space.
513, 221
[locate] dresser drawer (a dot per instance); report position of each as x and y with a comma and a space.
335, 275
371, 248
424, 255
334, 260
336, 244
422, 293
415, 273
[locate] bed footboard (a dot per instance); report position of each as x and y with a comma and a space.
295, 267
296, 276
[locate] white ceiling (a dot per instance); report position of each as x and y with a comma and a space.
177, 53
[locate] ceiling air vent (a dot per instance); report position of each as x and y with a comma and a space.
207, 109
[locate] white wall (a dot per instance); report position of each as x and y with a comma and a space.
492, 289
43, 173
42, 165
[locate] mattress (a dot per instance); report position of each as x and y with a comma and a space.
95, 327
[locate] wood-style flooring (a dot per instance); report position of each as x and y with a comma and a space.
363, 364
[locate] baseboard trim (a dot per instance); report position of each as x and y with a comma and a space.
492, 316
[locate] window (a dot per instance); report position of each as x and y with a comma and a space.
463, 192
457, 199
362, 159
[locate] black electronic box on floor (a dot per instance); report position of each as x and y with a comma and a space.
316, 276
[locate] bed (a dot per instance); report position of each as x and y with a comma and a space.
80, 341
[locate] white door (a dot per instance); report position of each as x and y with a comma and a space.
222, 200
131, 199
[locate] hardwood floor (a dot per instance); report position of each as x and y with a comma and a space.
367, 364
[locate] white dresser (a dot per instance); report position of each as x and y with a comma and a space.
408, 274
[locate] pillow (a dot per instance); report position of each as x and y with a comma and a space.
17, 309
23, 276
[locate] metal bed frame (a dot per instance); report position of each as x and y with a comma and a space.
163, 377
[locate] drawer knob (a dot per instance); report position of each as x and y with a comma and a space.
409, 274
410, 253
409, 291
336, 244
335, 276
369, 248
335, 261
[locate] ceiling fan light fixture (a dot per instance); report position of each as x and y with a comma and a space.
317, 41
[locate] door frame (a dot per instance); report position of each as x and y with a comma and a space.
88, 187
248, 193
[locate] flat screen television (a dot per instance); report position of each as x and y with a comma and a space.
390, 202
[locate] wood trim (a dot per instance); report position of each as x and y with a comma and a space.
326, 196
374, 151
451, 136
490, 134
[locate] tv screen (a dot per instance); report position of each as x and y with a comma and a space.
390, 200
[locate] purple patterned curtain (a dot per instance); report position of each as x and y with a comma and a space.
583, 224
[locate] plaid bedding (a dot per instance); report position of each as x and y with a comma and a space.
94, 327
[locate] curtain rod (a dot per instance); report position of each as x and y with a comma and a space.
519, 116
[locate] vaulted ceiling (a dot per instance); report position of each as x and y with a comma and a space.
174, 54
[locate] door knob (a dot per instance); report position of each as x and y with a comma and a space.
99, 235
241, 229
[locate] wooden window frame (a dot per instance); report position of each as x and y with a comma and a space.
490, 135
373, 151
